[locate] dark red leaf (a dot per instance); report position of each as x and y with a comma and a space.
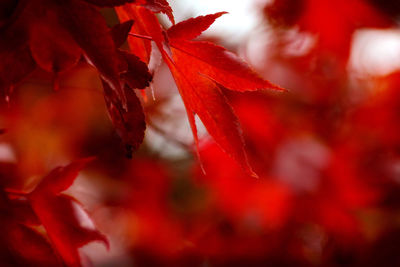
89, 29
391, 7
52, 47
120, 32
22, 212
15, 66
130, 122
8, 174
137, 74
109, 3
15, 57
7, 8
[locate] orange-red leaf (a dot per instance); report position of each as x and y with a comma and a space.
204, 98
221, 65
141, 47
199, 68
193, 27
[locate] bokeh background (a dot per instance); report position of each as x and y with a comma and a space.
326, 151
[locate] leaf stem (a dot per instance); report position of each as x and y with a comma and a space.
141, 36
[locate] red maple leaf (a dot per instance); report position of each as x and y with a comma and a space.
60, 32
200, 70
61, 215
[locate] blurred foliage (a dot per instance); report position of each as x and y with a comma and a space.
326, 152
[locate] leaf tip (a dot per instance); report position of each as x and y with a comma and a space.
278, 88
254, 175
221, 13
102, 238
248, 169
